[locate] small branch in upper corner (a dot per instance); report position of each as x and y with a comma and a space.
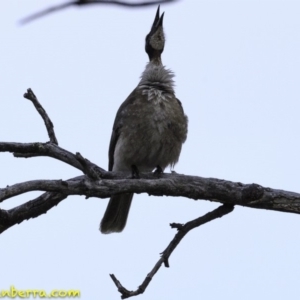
62, 6
48, 123
183, 229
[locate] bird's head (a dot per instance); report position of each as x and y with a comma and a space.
155, 39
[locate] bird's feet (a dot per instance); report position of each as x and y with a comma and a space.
135, 172
158, 171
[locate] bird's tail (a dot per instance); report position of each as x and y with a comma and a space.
115, 216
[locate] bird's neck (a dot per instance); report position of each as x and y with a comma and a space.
156, 61
157, 76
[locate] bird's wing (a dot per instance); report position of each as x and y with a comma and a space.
112, 145
179, 102
117, 128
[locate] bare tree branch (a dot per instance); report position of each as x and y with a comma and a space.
28, 210
53, 9
27, 150
49, 125
96, 182
182, 231
193, 187
90, 169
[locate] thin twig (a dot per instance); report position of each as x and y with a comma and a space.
182, 231
53, 9
91, 170
48, 123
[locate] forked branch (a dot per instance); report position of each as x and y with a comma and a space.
96, 182
183, 229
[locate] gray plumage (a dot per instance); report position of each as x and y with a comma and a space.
149, 129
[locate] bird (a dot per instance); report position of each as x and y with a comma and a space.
149, 128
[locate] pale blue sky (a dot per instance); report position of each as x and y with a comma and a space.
237, 72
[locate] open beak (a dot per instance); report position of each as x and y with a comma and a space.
158, 21
155, 40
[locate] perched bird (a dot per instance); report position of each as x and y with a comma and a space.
149, 129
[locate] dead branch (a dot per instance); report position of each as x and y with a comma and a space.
48, 123
28, 210
176, 185
62, 6
165, 255
96, 182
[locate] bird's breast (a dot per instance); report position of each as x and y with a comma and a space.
153, 130
156, 95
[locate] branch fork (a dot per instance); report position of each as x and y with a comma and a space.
97, 182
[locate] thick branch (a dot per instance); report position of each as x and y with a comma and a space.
193, 187
182, 231
27, 150
36, 185
30, 209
